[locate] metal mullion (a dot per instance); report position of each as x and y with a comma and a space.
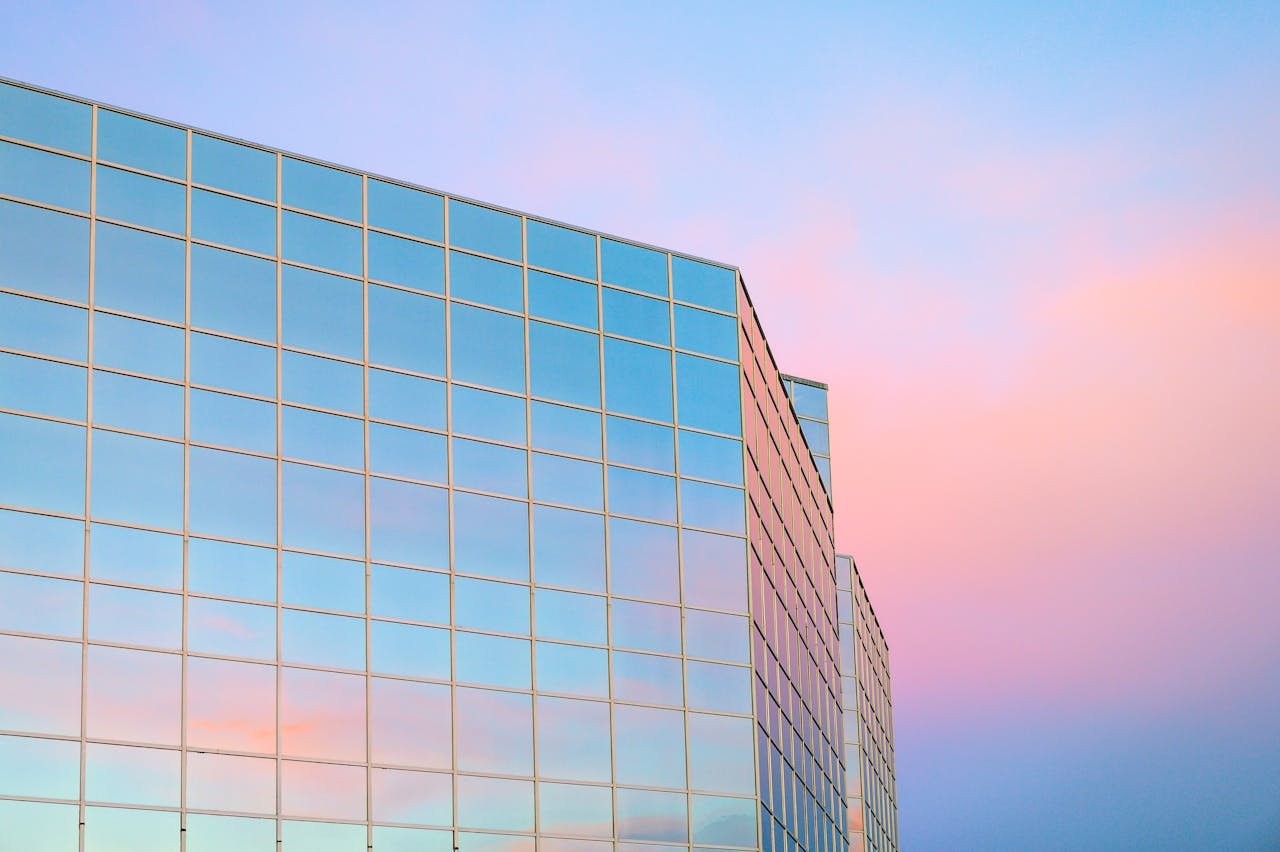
528, 463
448, 425
368, 518
186, 502
279, 544
44, 205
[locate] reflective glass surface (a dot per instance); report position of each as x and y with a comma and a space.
484, 229
234, 222
634, 267
561, 249
563, 299
406, 210
490, 282
565, 430
703, 284
42, 251
141, 200
42, 387
44, 177
312, 186
45, 119
142, 144
637, 379
232, 166
564, 364
140, 273
406, 262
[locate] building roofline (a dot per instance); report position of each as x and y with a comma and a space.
858, 575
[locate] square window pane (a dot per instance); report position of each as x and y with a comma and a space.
720, 754
133, 695
484, 230
573, 739
561, 249
232, 629
565, 430
321, 582
709, 394
323, 382
44, 252
409, 650
39, 605
231, 570
324, 438
406, 262
322, 714
563, 299
44, 177
407, 452
42, 686
575, 809
110, 829
409, 594
319, 242
704, 284
485, 414
132, 776
649, 746
208, 833
138, 404
139, 347
635, 442
573, 670
406, 210
702, 331
417, 797
141, 200
568, 548
564, 364
633, 267
487, 348
492, 660
323, 509
651, 815
637, 379
714, 507
312, 186
647, 678
719, 819
408, 523
716, 687
232, 495
45, 119
316, 639
323, 790
407, 399
490, 282
645, 627
227, 782
495, 803
43, 327
716, 635
231, 706
710, 457
491, 537
485, 605
233, 421
44, 464
228, 221
140, 273
495, 732
143, 144
643, 562
134, 617
715, 571
410, 724
41, 543
568, 481
35, 767
41, 826
406, 330
646, 495
629, 315
42, 387
233, 292
323, 312
571, 617
224, 363
231, 166
137, 479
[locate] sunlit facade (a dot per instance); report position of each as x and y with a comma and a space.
337, 513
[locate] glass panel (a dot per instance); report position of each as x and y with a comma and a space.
495, 732
405, 649
491, 537
321, 582
704, 284
42, 387
564, 364
495, 842
565, 430
39, 543
633, 267
323, 509
408, 523
649, 746
226, 782
637, 379
324, 438
409, 594
488, 415
41, 690
573, 739
711, 334
489, 467
408, 453
710, 457
809, 400
44, 177
647, 495
817, 435
232, 495
571, 617
135, 617
139, 347
142, 144
312, 186
567, 481
137, 479
41, 826
495, 803
233, 421
132, 776
641, 444
563, 299
488, 348
322, 837
716, 687
206, 833
406, 399
575, 809
133, 695
568, 548
708, 394
322, 640
233, 222
717, 819
43, 327
45, 464
417, 797
406, 330
573, 669
824, 471
493, 660
233, 292
322, 714
637, 316
319, 242
484, 230
233, 570
44, 768
323, 313
322, 382
715, 507
238, 168
720, 754
485, 605
44, 252
561, 249
489, 282
642, 560
646, 627
233, 629
410, 723
231, 364
715, 635
40, 605
113, 829
409, 211
44, 119
715, 571
139, 404
646, 678
405, 262
142, 200
650, 815
322, 790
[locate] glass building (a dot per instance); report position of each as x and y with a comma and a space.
341, 514
810, 401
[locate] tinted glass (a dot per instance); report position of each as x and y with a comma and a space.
43, 327
409, 211
44, 177
713, 507
720, 819
138, 404
573, 670
486, 605
720, 754
573, 739
716, 687
715, 571
322, 714
408, 453
233, 421
711, 334
575, 809
409, 594
233, 222
645, 495
44, 252
234, 629
564, 364
324, 438
495, 732
646, 627
135, 556
232, 364
323, 509
41, 543
134, 617
703, 284
312, 186
715, 635
647, 678
641, 444
43, 461
651, 815
233, 292
140, 273
410, 723
494, 803
637, 316
405, 649
408, 523
570, 617
44, 119
133, 695
406, 330
709, 394
141, 200
563, 299
40, 605
324, 313
492, 660
232, 495
488, 348
568, 548
649, 746
710, 457
565, 430
484, 230
489, 467
140, 347
319, 242
238, 168
637, 379
321, 582
50, 703
489, 282
633, 267
233, 570
322, 382
488, 415
406, 399
402, 796
809, 400
817, 435
561, 249
321, 640
142, 144
642, 560
42, 387
137, 479
567, 481
405, 262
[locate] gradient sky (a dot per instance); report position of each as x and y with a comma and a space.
1036, 253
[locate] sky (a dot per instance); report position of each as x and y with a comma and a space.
1033, 248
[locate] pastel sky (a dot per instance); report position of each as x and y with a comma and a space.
1034, 249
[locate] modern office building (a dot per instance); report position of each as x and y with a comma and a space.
810, 401
340, 514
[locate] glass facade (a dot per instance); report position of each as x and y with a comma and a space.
342, 514
809, 398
